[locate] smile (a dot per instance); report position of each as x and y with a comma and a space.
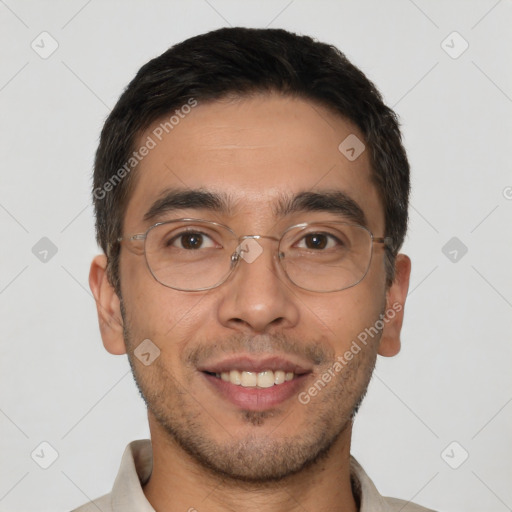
264, 379
256, 383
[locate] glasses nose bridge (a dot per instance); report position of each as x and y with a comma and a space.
248, 253
240, 247
258, 237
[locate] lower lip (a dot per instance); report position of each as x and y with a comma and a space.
257, 399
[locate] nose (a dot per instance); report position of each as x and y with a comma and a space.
257, 297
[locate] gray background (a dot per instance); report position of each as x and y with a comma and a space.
452, 380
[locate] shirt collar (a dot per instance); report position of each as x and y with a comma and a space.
365, 491
134, 472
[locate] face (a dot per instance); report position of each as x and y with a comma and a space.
257, 154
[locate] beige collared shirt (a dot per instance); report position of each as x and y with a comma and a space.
137, 462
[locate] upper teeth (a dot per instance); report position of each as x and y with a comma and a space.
265, 379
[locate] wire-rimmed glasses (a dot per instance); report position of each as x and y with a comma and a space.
196, 254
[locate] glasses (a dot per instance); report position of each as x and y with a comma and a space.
196, 255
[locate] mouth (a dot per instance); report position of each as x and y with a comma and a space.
256, 384
262, 380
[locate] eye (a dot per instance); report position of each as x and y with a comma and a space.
318, 241
191, 240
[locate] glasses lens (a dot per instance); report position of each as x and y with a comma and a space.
189, 255
326, 257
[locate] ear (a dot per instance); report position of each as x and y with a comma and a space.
108, 306
395, 305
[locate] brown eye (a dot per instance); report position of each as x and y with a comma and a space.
191, 240
316, 241
319, 241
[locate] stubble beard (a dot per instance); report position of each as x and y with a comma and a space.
256, 458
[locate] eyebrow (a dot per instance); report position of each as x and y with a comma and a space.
329, 201
178, 199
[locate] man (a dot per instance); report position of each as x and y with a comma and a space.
251, 194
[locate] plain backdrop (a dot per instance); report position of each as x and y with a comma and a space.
445, 397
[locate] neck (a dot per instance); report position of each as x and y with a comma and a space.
178, 483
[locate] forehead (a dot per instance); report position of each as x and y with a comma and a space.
255, 151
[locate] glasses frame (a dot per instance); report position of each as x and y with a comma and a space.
237, 255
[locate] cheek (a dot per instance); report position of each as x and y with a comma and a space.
348, 313
154, 311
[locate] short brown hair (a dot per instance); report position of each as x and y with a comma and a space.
237, 62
